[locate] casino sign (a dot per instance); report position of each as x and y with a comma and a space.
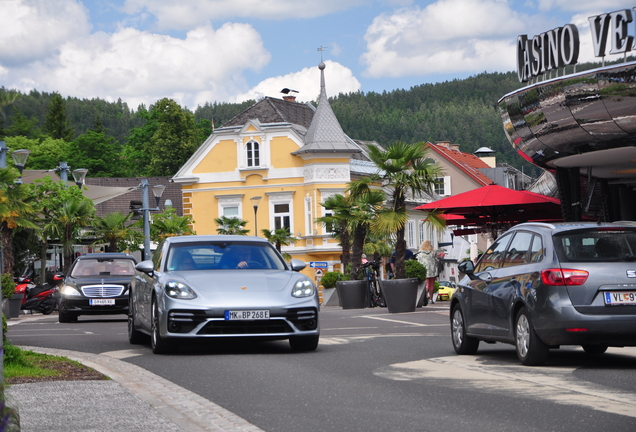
581, 126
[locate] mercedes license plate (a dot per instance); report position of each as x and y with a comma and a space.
620, 297
101, 302
247, 315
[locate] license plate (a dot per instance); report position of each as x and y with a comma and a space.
620, 297
246, 315
101, 302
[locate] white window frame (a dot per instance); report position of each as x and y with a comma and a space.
253, 146
410, 234
277, 198
224, 201
309, 221
444, 186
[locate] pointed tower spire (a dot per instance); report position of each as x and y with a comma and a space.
325, 135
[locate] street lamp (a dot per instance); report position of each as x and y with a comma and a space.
255, 201
157, 191
78, 174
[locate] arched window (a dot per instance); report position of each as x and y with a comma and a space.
253, 154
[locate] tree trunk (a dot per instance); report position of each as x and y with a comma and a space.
400, 251
359, 235
43, 247
345, 241
7, 249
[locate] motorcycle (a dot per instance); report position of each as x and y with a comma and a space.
40, 298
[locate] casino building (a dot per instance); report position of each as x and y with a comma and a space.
580, 127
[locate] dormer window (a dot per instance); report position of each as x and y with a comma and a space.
253, 157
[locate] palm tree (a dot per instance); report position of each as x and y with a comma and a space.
74, 214
231, 225
169, 224
366, 204
113, 228
337, 220
280, 237
15, 211
402, 168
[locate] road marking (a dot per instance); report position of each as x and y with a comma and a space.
401, 322
343, 340
545, 383
122, 354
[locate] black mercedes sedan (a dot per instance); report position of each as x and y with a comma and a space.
545, 285
96, 284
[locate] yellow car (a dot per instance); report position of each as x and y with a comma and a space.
446, 290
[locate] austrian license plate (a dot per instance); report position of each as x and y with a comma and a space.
246, 315
620, 297
101, 302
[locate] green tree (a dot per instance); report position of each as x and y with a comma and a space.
98, 153
56, 123
337, 222
402, 168
174, 141
279, 238
44, 155
114, 229
365, 204
74, 214
231, 226
48, 198
15, 211
7, 97
23, 126
169, 224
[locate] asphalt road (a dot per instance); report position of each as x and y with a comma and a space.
375, 371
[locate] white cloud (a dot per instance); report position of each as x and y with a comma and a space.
34, 29
338, 79
439, 39
188, 13
136, 66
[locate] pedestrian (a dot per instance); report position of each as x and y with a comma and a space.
364, 259
427, 257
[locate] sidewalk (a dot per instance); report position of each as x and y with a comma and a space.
134, 400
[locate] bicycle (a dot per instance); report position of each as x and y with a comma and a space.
372, 273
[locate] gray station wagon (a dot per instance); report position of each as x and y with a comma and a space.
541, 285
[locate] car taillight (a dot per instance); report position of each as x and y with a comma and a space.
567, 277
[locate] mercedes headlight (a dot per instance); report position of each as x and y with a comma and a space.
303, 288
179, 290
69, 291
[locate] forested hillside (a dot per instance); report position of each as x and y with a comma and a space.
460, 111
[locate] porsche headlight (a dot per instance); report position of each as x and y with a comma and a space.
179, 290
303, 288
69, 291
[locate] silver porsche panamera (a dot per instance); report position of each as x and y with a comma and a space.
221, 287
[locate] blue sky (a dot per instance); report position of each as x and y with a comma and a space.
197, 51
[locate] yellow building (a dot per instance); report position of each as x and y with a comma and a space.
292, 155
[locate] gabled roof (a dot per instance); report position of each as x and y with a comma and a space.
466, 162
272, 110
325, 135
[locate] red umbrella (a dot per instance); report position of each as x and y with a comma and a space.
494, 204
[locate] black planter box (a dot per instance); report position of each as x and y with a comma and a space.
400, 294
353, 294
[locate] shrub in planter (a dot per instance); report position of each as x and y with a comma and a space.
329, 279
415, 269
8, 286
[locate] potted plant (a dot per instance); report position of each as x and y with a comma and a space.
415, 269
9, 298
328, 282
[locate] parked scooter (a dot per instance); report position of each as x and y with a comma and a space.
40, 298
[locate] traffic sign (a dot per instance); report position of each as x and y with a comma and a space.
318, 272
318, 264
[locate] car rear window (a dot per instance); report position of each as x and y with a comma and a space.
600, 244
